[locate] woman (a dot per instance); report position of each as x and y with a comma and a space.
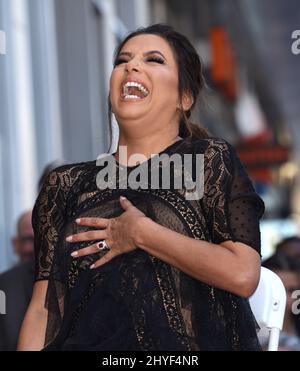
167, 273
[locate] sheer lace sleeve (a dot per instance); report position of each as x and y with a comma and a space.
234, 207
47, 221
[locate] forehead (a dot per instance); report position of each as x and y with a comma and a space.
144, 43
25, 222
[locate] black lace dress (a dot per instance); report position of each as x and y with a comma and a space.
136, 301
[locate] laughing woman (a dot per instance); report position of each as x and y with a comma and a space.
144, 268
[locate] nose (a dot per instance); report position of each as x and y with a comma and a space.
132, 65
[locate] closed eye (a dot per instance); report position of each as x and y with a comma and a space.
149, 59
155, 60
120, 61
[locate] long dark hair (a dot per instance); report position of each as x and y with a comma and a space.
190, 74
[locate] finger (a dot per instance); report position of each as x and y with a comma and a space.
87, 236
125, 203
105, 259
93, 222
86, 251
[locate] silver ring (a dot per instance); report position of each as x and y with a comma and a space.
102, 245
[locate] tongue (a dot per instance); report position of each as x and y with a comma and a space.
133, 90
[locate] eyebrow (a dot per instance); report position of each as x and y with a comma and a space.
145, 54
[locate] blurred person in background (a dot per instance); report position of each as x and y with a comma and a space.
288, 270
290, 247
23, 242
17, 283
153, 270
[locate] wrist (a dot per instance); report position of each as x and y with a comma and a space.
143, 226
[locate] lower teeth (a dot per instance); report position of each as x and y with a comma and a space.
132, 97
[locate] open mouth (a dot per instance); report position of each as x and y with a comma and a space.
134, 91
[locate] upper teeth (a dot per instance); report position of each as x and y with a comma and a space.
134, 84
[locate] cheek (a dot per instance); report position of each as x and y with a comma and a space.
113, 90
168, 86
114, 83
170, 80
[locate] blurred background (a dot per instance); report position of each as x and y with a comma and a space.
55, 62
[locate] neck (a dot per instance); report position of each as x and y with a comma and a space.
145, 144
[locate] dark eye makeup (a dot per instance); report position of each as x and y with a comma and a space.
154, 59
119, 61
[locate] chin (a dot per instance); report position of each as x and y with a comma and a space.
130, 113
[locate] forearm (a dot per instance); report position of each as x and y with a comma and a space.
210, 263
32, 334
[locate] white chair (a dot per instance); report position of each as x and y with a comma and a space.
268, 305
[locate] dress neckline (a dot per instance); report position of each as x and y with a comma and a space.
165, 150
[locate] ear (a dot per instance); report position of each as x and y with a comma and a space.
187, 101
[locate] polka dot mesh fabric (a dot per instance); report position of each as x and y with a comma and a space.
138, 302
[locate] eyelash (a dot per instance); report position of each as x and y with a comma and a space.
156, 60
150, 59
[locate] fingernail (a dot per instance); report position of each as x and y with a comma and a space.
75, 253
69, 239
78, 220
123, 198
92, 266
